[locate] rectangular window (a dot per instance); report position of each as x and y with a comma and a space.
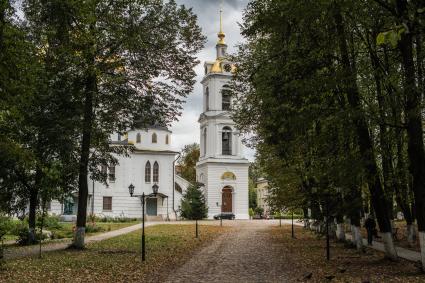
111, 175
107, 203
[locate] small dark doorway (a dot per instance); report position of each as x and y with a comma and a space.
226, 200
151, 206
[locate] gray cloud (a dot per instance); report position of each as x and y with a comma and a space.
186, 130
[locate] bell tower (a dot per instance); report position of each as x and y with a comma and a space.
222, 167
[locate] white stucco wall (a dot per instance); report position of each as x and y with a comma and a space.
131, 170
214, 185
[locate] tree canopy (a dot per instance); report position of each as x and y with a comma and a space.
335, 122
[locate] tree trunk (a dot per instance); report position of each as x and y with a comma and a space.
356, 236
384, 133
90, 91
33, 204
413, 109
340, 233
32, 215
365, 142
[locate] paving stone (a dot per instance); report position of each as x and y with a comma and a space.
244, 254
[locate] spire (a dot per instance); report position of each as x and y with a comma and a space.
221, 34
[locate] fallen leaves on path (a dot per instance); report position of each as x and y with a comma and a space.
307, 259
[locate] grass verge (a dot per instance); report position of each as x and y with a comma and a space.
114, 260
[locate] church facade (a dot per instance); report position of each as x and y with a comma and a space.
151, 163
222, 167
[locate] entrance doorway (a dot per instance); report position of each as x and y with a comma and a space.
226, 200
151, 206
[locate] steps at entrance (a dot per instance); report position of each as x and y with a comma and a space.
153, 218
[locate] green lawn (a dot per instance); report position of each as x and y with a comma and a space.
66, 229
9, 238
114, 260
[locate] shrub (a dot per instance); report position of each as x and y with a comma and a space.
251, 212
93, 228
6, 225
58, 234
259, 210
22, 231
120, 219
18, 227
50, 222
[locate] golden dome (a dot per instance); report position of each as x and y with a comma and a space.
216, 67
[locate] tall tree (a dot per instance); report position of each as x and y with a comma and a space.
325, 103
187, 162
134, 61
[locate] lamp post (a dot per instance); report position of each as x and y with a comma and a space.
142, 198
327, 228
196, 221
292, 223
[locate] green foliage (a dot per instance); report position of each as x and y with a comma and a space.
93, 228
251, 212
193, 204
49, 221
259, 211
6, 225
23, 236
252, 197
390, 37
319, 85
187, 162
110, 219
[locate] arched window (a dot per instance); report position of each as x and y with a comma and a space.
204, 137
156, 172
226, 96
138, 138
167, 139
226, 141
119, 137
148, 172
154, 138
207, 99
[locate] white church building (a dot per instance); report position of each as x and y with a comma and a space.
152, 162
222, 167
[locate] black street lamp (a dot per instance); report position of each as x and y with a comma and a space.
292, 225
142, 198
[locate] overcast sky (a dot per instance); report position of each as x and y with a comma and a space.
186, 130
